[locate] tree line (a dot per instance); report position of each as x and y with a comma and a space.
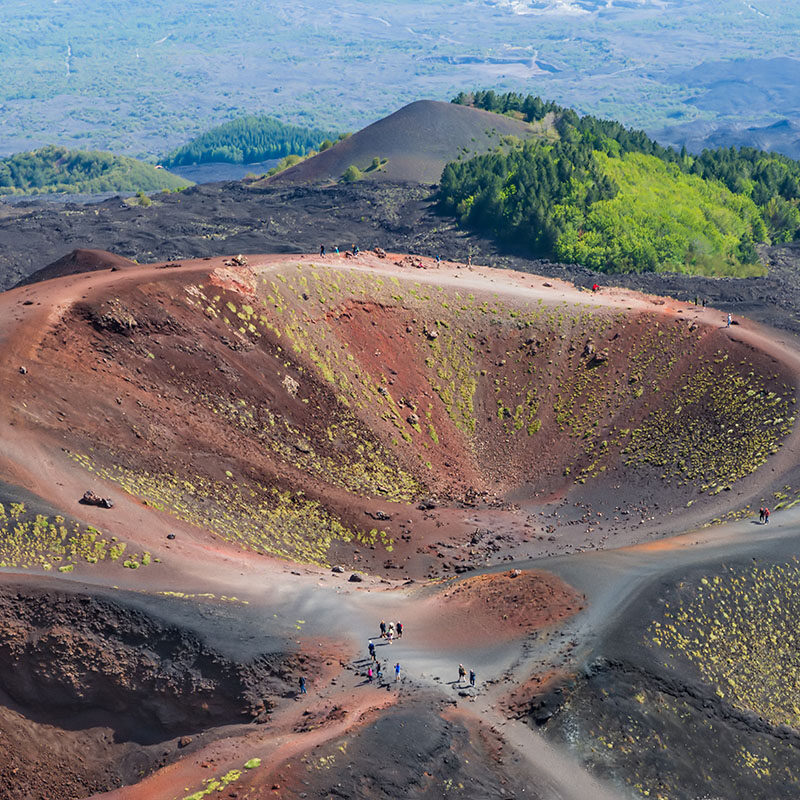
567, 198
247, 140
56, 169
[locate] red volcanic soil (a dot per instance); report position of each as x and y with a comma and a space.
416, 142
491, 608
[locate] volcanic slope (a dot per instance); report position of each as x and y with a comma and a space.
78, 261
372, 413
413, 144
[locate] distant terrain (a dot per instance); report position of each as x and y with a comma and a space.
779, 137
56, 169
538, 179
143, 82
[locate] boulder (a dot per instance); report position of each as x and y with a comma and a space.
91, 499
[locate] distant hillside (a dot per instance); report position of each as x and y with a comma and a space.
613, 199
413, 144
79, 261
58, 170
745, 87
779, 137
247, 140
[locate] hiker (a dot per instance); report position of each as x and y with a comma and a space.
383, 629
595, 287
472, 677
438, 259
462, 673
355, 249
766, 516
380, 675
390, 635
336, 251
397, 672
391, 628
399, 630
761, 515
302, 685
371, 650
469, 260
369, 673
322, 250
730, 319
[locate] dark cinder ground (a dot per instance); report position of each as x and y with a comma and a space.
226, 218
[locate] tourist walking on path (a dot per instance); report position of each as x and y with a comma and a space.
472, 677
730, 319
322, 250
766, 516
371, 650
397, 672
380, 675
761, 515
399, 630
369, 673
462, 673
383, 629
302, 685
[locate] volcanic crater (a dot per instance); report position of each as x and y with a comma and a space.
403, 418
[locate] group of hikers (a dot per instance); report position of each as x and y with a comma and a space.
462, 674
375, 670
390, 631
354, 250
763, 515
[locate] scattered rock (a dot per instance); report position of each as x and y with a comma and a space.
412, 419
290, 384
355, 578
338, 568
170, 536
91, 499
23, 370
184, 741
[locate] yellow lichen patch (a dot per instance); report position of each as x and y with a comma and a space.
256, 517
739, 629
720, 426
34, 540
215, 785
